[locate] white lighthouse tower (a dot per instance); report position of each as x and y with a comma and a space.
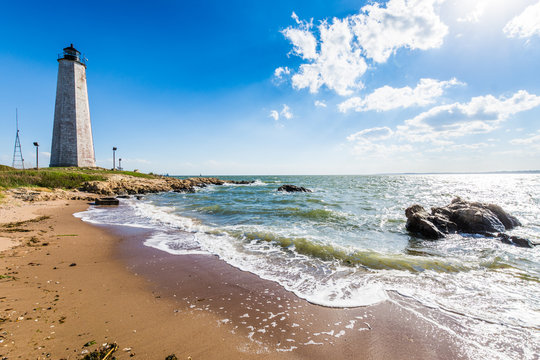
72, 143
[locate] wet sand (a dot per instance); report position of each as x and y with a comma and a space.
154, 304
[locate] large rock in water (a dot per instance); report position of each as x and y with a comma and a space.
431, 226
466, 217
292, 188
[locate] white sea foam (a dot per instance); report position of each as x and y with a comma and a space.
178, 243
194, 238
497, 305
105, 216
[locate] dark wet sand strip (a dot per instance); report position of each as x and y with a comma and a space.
277, 320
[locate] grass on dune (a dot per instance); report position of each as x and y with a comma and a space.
46, 179
56, 178
97, 171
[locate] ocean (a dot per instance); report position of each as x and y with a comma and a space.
345, 245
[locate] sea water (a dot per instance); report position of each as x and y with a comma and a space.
345, 245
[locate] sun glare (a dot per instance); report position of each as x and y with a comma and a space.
485, 12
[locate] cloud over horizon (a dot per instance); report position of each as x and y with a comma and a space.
533, 141
442, 124
481, 114
372, 142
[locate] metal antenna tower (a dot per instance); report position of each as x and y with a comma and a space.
18, 161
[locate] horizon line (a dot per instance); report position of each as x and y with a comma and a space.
373, 174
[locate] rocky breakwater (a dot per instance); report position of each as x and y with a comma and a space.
461, 216
130, 185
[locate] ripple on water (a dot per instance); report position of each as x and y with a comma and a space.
345, 244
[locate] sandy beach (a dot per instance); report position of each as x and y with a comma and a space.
208, 180
67, 283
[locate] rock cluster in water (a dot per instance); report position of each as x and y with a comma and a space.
461, 216
292, 188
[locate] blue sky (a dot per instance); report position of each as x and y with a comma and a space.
283, 87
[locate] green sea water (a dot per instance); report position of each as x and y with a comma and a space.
345, 244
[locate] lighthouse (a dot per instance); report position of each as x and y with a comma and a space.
72, 143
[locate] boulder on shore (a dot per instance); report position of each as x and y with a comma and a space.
461, 216
293, 188
107, 201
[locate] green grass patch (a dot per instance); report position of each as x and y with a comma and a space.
98, 171
46, 179
57, 177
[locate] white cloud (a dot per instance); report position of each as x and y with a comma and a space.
337, 59
274, 115
319, 103
280, 71
481, 114
378, 133
285, 112
337, 65
474, 16
411, 24
304, 42
387, 98
532, 140
442, 125
368, 143
526, 24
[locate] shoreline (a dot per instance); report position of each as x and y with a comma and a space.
156, 304
72, 292
278, 320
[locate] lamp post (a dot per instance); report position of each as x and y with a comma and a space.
113, 158
37, 154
